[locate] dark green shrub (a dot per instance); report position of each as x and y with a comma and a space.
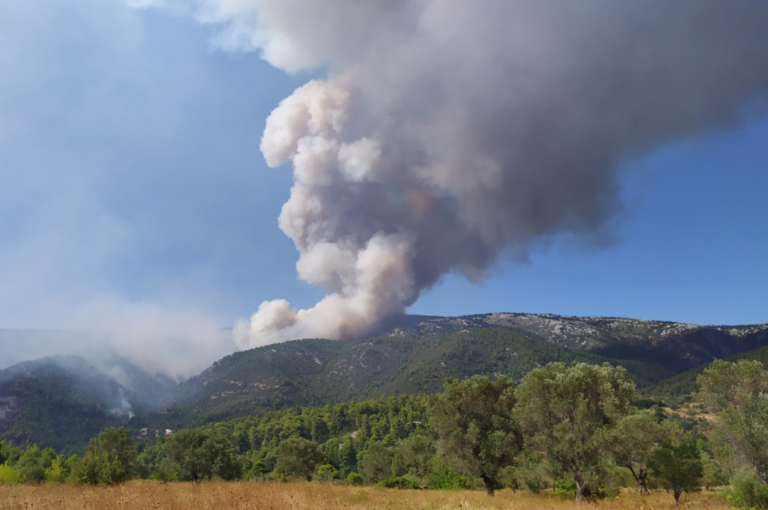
447, 480
400, 482
565, 488
354, 479
747, 491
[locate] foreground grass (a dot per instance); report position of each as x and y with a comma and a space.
294, 496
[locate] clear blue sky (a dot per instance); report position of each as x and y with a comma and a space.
130, 169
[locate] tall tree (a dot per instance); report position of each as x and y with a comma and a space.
474, 423
677, 464
115, 444
189, 451
297, 457
571, 412
738, 393
376, 464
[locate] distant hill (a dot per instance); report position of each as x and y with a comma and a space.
674, 345
63, 401
315, 372
682, 385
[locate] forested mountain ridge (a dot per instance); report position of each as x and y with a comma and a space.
62, 401
313, 372
678, 346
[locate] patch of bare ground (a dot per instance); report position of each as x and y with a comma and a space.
312, 496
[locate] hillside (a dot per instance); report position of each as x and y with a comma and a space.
314, 372
63, 401
46, 408
674, 345
683, 385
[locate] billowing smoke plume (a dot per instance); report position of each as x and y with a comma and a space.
450, 132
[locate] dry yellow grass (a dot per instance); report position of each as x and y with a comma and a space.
314, 496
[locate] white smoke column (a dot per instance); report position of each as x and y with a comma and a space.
450, 132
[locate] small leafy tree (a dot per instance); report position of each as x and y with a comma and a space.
747, 491
201, 454
9, 475
713, 475
297, 457
113, 455
188, 450
677, 465
31, 465
56, 472
354, 479
414, 455
636, 436
571, 413
326, 473
738, 393
474, 423
376, 464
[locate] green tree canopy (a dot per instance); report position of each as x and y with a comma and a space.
677, 464
114, 444
738, 393
571, 412
200, 454
474, 423
297, 457
636, 436
376, 464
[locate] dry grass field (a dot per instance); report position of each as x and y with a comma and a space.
147, 495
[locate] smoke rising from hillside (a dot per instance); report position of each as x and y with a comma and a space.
157, 339
450, 132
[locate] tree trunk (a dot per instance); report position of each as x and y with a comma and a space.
641, 478
490, 486
642, 481
582, 489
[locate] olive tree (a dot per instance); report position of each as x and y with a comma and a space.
571, 412
473, 420
676, 463
738, 394
376, 464
200, 454
297, 457
636, 436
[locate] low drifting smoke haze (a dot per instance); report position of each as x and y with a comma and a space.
448, 134
159, 339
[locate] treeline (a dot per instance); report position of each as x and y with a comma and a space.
567, 428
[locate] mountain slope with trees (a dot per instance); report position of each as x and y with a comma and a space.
413, 354
315, 372
63, 401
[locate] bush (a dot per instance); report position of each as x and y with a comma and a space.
56, 472
531, 474
401, 482
447, 480
326, 473
10, 476
565, 488
354, 479
747, 491
376, 464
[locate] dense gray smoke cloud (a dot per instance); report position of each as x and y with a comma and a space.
449, 132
